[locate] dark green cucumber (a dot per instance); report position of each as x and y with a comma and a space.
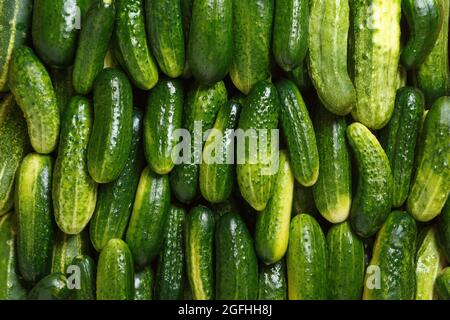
32, 87
399, 139
333, 190
68, 247
217, 170
346, 263
272, 224
143, 284
443, 284
15, 24
10, 280
299, 133
162, 119
148, 219
373, 199
93, 44
201, 107
13, 147
256, 163
376, 28
110, 141
300, 77
272, 282
210, 48
252, 30
62, 84
132, 42
71, 181
199, 252
390, 275
52, 287
87, 268
170, 276
431, 185
424, 19
444, 230
236, 263
33, 205
115, 273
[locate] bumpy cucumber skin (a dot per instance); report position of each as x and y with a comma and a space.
328, 26
272, 282
32, 87
68, 247
72, 183
143, 284
87, 269
62, 84
373, 199
162, 118
443, 284
52, 287
431, 185
444, 230
393, 256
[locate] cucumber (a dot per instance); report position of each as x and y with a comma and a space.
110, 141
346, 263
87, 269
11, 287
393, 260
143, 284
162, 119
431, 185
443, 284
272, 282
424, 18
52, 287
148, 219
170, 276
115, 274
13, 147
33, 205
399, 139
257, 151
199, 242
252, 30
373, 199
333, 190
290, 33
217, 170
272, 224
71, 181
93, 44
66, 248
444, 230
299, 133
132, 42
328, 26
376, 27
15, 24
32, 88
236, 263
166, 35
201, 108
62, 84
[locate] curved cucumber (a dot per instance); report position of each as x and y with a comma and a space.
52, 287
273, 282
143, 284
87, 269
68, 247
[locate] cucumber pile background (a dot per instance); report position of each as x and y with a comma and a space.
94, 205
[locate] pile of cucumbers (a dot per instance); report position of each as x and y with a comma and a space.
345, 196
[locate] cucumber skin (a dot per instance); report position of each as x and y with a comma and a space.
66, 248
399, 139
272, 282
52, 287
31, 85
71, 180
444, 230
443, 284
33, 205
87, 278
143, 284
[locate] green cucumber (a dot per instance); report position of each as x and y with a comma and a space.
31, 85
199, 242
399, 139
272, 224
87, 269
299, 133
443, 284
71, 181
328, 26
62, 84
170, 275
162, 119
373, 199
431, 185
444, 230
236, 262
148, 219
346, 263
376, 27
143, 284
272, 282
390, 275
333, 190
93, 44
115, 273
217, 170
110, 141
52, 287
33, 205
68, 247
252, 30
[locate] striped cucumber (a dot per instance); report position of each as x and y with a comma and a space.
272, 282
143, 284
68, 247
87, 269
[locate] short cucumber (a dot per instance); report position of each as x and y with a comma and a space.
443, 284
272, 282
68, 247
143, 284
62, 84
444, 230
87, 269
52, 287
